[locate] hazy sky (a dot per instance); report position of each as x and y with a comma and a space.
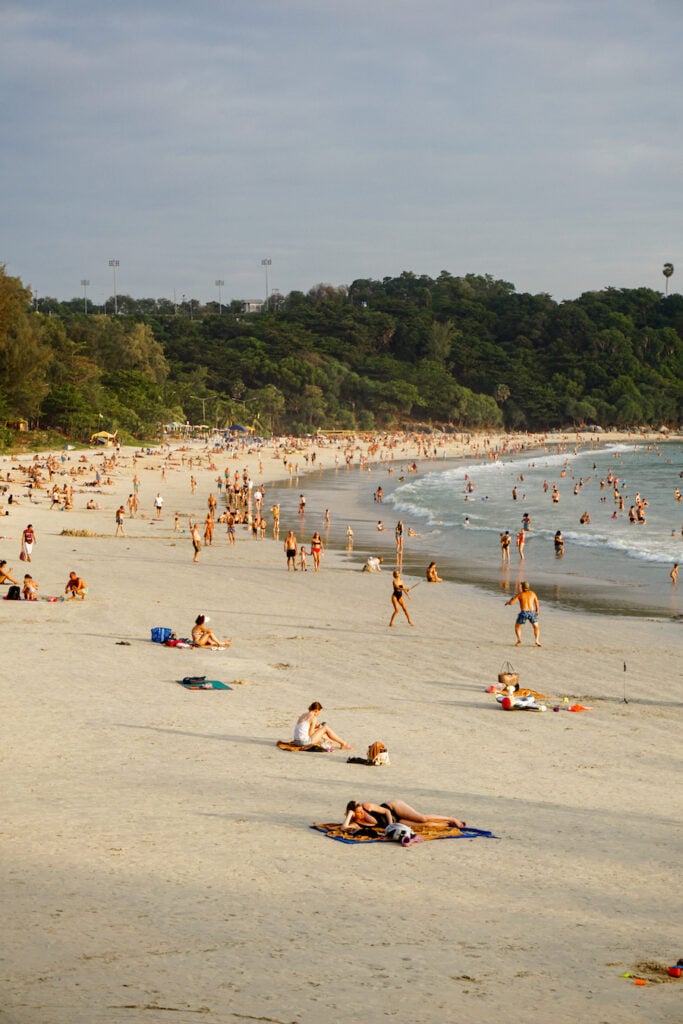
539, 141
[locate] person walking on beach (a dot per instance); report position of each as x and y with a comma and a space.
398, 596
120, 513
158, 505
529, 612
28, 539
316, 549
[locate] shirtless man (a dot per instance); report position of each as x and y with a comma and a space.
196, 540
505, 541
529, 612
76, 587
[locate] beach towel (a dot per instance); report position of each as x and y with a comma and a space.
310, 747
206, 684
376, 834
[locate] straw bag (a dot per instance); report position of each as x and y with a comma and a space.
507, 675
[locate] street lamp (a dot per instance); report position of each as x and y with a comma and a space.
219, 284
84, 285
265, 264
114, 264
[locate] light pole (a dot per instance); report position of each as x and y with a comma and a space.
114, 264
265, 264
219, 284
84, 285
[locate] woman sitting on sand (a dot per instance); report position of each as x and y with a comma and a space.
360, 815
5, 573
202, 636
308, 730
432, 574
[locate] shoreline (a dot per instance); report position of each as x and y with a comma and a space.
156, 842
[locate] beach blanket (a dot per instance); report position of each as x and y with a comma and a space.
207, 684
376, 835
310, 747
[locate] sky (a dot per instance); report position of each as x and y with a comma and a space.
538, 141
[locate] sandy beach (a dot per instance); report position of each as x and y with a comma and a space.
157, 857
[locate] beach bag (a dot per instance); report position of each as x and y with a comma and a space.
398, 833
160, 634
14, 594
22, 555
507, 675
193, 680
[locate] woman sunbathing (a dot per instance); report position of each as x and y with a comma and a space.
202, 636
363, 815
309, 731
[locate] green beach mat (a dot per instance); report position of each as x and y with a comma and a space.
208, 684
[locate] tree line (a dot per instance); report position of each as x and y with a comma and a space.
459, 352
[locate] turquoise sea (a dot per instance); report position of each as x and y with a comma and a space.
457, 510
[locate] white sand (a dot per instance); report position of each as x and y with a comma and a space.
156, 849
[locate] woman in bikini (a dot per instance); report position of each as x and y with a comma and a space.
202, 636
398, 598
5, 574
316, 548
360, 815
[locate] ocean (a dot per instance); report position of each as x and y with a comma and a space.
454, 512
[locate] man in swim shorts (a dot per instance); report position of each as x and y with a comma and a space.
529, 612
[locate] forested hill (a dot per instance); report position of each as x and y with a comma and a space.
467, 351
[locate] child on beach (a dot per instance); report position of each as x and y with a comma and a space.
29, 590
302, 559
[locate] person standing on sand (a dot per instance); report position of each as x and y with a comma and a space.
290, 549
158, 505
398, 596
674, 574
529, 612
196, 540
505, 541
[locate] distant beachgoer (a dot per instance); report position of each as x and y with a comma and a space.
529, 612
349, 538
373, 564
202, 636
380, 525
28, 539
302, 558
505, 541
316, 549
120, 513
585, 519
30, 588
674, 574
196, 539
158, 506
290, 548
432, 574
559, 543
359, 815
76, 586
308, 731
398, 596
521, 537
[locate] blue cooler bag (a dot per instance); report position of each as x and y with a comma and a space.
160, 634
